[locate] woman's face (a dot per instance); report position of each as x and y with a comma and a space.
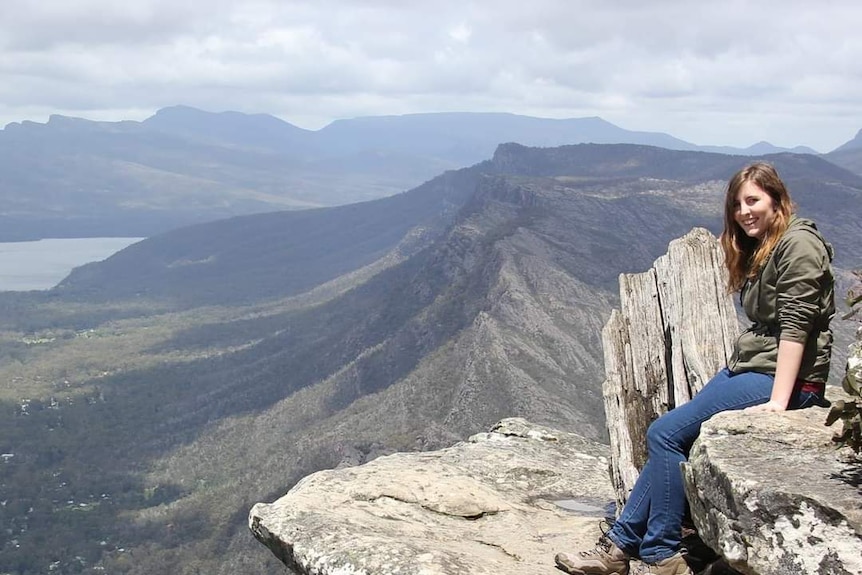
755, 211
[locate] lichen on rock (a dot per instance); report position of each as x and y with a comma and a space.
771, 493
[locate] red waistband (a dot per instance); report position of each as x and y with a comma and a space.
813, 387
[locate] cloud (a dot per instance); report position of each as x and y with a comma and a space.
726, 73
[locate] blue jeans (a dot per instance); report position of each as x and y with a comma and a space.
650, 526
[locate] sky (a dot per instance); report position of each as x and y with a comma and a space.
710, 72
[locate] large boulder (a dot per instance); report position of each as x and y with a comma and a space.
501, 503
772, 494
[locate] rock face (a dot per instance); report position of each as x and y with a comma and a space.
674, 331
772, 495
501, 503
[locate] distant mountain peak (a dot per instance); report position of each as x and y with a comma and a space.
763, 148
854, 144
184, 112
238, 129
54, 121
60, 119
181, 108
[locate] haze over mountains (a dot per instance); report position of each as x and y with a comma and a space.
153, 397
73, 177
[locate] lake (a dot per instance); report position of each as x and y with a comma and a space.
43, 264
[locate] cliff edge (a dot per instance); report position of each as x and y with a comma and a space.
501, 503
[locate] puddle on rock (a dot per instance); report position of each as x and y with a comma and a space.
588, 507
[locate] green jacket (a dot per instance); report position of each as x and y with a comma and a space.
792, 298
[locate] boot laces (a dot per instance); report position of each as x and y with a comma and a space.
603, 547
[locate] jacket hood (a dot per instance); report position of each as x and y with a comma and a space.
805, 225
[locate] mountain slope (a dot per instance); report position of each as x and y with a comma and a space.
848, 155
270, 255
256, 257
476, 296
854, 144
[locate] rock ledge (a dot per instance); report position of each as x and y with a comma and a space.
772, 494
487, 505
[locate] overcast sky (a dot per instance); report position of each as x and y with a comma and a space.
723, 72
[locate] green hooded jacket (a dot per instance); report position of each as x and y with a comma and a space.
792, 298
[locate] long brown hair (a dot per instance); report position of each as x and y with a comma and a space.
745, 255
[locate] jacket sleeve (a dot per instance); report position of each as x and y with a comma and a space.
801, 261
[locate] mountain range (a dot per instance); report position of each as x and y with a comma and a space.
153, 397
72, 177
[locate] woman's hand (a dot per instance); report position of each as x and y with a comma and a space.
769, 406
786, 370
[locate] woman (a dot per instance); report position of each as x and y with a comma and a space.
780, 264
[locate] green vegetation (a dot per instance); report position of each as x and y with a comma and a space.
850, 412
86, 414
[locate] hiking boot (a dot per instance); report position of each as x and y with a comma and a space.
605, 559
675, 565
